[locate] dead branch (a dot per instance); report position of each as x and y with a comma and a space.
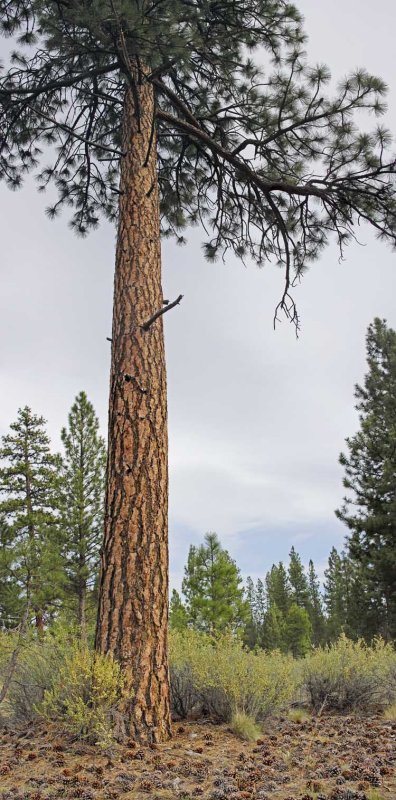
160, 312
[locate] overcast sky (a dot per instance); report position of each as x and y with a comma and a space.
257, 418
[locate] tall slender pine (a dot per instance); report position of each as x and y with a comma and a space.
29, 484
83, 483
369, 510
315, 608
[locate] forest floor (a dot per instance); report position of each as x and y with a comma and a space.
323, 758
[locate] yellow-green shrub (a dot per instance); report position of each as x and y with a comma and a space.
226, 678
85, 694
347, 674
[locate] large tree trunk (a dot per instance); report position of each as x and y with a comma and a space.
133, 603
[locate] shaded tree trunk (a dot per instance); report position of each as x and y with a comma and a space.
82, 610
133, 603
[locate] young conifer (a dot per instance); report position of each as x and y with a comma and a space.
29, 484
83, 479
212, 586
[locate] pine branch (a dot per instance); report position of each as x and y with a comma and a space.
52, 86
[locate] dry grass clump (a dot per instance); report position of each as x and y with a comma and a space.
390, 713
244, 726
298, 715
374, 794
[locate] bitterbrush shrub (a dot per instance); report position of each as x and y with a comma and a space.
85, 695
224, 678
349, 675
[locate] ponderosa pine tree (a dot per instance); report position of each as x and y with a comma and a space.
272, 636
178, 615
83, 485
297, 634
257, 602
213, 589
370, 478
315, 608
297, 580
260, 604
250, 633
159, 107
345, 600
29, 484
334, 596
278, 588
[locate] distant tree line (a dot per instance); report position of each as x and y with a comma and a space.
51, 528
286, 610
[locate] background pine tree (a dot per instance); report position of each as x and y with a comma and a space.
315, 608
83, 484
297, 634
31, 547
178, 615
278, 588
272, 635
297, 580
213, 589
369, 509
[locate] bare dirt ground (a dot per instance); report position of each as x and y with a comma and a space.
326, 758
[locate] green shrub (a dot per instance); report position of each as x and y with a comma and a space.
37, 666
226, 679
347, 675
184, 648
85, 694
245, 727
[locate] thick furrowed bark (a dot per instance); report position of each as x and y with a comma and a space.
133, 604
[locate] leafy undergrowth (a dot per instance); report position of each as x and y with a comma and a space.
320, 758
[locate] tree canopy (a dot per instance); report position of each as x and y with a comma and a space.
250, 142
